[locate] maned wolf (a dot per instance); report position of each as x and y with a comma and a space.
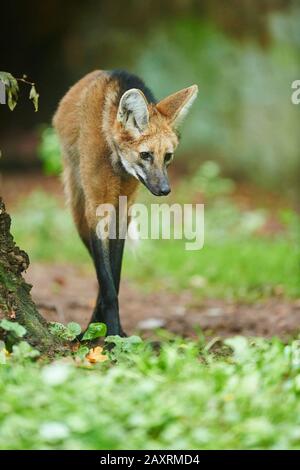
114, 135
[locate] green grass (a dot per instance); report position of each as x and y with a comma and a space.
182, 397
45, 229
247, 269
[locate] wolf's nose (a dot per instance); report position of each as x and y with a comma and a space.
165, 190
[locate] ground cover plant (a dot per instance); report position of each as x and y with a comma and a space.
241, 394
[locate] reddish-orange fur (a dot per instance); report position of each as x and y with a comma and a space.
111, 138
89, 177
84, 131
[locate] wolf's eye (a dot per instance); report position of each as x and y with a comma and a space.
148, 156
168, 157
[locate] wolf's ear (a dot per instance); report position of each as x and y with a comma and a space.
175, 107
133, 111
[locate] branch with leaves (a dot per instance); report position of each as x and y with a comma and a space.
12, 90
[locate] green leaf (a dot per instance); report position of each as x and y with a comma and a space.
130, 340
23, 351
124, 347
12, 89
95, 330
34, 96
13, 327
74, 329
8, 79
57, 329
67, 333
11, 100
82, 352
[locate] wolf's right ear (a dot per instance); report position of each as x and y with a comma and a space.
133, 111
176, 106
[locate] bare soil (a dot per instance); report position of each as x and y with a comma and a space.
66, 293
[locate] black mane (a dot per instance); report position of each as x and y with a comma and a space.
128, 80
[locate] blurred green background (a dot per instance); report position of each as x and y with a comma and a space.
243, 55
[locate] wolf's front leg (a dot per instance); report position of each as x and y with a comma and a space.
116, 248
107, 308
116, 245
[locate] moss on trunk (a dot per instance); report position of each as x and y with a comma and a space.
16, 303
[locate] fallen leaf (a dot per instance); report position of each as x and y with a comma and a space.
95, 355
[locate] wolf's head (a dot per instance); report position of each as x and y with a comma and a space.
146, 135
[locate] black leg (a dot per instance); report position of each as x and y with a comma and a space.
116, 249
107, 307
116, 256
97, 315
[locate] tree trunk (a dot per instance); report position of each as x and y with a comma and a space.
16, 303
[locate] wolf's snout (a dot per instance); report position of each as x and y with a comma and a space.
165, 189
162, 185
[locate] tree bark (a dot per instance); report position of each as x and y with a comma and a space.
16, 303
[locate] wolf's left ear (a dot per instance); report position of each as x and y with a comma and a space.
175, 107
133, 111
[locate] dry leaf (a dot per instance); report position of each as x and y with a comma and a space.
95, 355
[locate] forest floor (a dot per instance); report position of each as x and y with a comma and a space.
196, 390
65, 291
